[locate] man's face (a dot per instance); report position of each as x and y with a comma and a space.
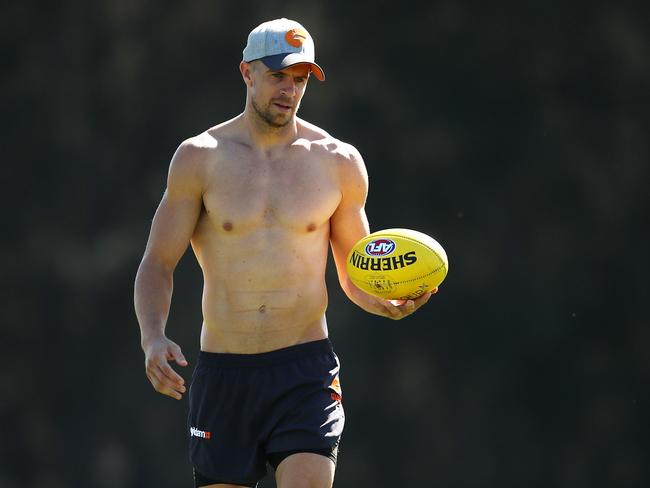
276, 95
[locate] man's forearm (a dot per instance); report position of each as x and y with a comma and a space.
152, 297
360, 298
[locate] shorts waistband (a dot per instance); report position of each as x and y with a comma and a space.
220, 359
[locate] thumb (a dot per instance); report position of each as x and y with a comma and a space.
177, 355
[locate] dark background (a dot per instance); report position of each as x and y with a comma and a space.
515, 133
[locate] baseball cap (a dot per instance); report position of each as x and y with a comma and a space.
281, 43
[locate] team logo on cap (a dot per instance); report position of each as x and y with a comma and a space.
295, 37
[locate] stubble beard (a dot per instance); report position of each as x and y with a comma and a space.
266, 116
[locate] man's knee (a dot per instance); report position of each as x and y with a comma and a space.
305, 470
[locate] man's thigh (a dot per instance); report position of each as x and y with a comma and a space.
305, 470
221, 485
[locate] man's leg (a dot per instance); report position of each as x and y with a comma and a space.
201, 481
221, 485
305, 470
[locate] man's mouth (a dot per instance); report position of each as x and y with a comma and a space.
282, 106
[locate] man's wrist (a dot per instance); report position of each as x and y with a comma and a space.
151, 337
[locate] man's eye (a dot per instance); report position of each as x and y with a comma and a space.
278, 75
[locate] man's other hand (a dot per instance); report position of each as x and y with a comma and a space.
398, 309
158, 353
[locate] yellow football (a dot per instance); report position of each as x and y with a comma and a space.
397, 264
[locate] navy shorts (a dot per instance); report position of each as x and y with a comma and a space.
247, 409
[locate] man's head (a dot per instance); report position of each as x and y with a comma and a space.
276, 65
281, 43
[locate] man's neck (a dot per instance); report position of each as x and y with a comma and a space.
264, 136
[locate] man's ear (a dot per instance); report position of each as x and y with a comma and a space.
246, 70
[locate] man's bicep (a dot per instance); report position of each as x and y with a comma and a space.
172, 228
180, 208
350, 223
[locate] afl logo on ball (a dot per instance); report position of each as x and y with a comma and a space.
380, 247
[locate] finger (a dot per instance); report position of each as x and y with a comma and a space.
408, 307
170, 392
166, 387
176, 355
156, 381
404, 310
422, 300
162, 375
162, 384
393, 311
171, 375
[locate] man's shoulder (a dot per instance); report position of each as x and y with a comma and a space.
205, 147
193, 157
191, 154
210, 139
341, 151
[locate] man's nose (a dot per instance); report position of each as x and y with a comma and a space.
289, 87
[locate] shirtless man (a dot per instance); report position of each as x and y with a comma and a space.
260, 197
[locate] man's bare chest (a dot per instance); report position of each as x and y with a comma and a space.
300, 193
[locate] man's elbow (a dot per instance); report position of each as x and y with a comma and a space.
348, 287
155, 264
